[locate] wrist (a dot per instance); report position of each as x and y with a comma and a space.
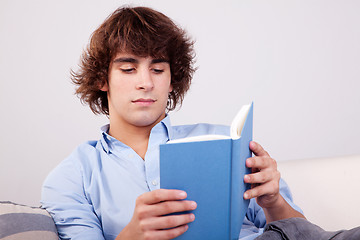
280, 209
276, 210
277, 202
123, 235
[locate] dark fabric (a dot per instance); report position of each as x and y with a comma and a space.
301, 229
23, 222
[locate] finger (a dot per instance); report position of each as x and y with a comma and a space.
166, 234
166, 222
160, 195
261, 163
168, 207
267, 188
257, 149
260, 177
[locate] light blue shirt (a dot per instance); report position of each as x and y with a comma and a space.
92, 193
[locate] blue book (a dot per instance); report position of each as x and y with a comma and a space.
211, 170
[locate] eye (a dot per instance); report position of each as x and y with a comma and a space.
127, 70
158, 70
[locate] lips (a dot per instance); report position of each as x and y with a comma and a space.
144, 101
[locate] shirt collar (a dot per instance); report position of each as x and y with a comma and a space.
167, 124
107, 140
105, 137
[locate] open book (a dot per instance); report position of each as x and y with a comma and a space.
235, 129
211, 170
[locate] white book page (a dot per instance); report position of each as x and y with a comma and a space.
199, 138
239, 121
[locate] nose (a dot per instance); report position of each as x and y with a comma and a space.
145, 81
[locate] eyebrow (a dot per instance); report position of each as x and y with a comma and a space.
125, 60
133, 60
159, 60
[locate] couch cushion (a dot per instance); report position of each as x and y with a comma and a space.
24, 222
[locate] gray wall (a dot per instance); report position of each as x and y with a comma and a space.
299, 61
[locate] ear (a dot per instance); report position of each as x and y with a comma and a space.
170, 88
105, 87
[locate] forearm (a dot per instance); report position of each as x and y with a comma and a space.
281, 210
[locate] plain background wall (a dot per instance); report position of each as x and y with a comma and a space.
299, 61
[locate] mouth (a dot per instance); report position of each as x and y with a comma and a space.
144, 101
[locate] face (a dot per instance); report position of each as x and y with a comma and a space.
138, 90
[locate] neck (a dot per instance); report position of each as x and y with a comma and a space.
136, 137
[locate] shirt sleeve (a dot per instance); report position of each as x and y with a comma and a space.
64, 198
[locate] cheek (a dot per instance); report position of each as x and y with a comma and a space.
118, 92
168, 84
120, 86
166, 89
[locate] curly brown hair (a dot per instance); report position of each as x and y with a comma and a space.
143, 32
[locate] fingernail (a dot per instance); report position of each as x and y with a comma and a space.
246, 178
182, 194
192, 217
248, 162
193, 205
246, 195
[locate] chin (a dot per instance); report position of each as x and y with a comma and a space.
145, 121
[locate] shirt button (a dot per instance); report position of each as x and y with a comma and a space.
131, 155
154, 182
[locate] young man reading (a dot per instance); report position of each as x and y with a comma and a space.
138, 66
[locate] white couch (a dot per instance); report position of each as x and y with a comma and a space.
327, 189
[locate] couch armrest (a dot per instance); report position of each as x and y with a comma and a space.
327, 189
24, 222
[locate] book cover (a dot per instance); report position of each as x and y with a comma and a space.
211, 172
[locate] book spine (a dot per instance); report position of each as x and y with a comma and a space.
240, 152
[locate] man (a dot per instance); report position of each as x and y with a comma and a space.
139, 65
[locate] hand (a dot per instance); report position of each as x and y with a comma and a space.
264, 178
149, 220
